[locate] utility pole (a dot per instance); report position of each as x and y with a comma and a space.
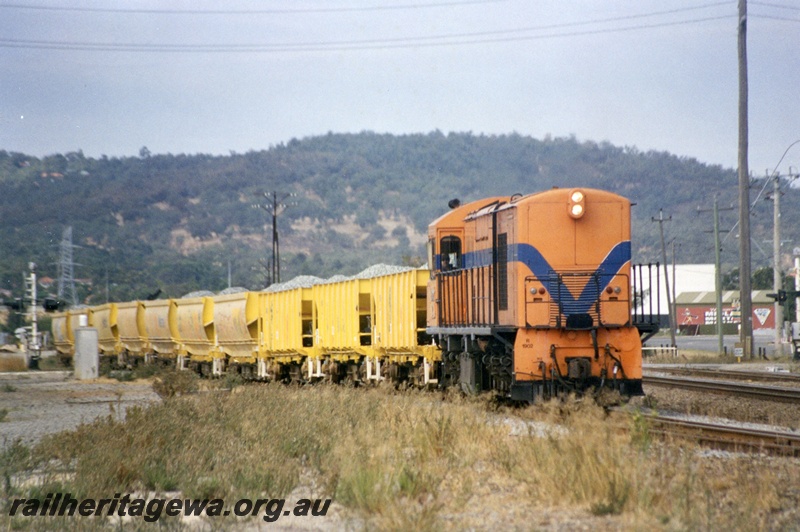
745, 290
274, 208
661, 221
718, 271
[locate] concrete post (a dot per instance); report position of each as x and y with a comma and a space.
87, 359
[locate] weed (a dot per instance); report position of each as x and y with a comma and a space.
122, 375
231, 381
615, 500
641, 437
145, 371
366, 488
3, 414
156, 476
172, 383
106, 367
13, 459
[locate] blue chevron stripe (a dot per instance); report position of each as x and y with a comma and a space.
616, 258
539, 267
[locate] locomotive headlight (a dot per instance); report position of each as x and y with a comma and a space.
577, 204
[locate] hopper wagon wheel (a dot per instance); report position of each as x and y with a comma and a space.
416, 375
296, 374
352, 374
362, 372
331, 370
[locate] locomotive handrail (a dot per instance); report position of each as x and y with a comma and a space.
643, 317
466, 296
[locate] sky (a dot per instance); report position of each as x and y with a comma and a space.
215, 77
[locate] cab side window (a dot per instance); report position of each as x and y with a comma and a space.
450, 252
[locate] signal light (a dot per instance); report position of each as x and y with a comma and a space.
15, 304
780, 297
52, 305
577, 204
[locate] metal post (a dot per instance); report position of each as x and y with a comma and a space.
777, 278
797, 289
34, 346
718, 278
674, 288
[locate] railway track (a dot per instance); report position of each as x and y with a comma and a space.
770, 393
728, 437
733, 375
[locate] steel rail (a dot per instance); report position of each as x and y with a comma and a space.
772, 393
729, 374
730, 437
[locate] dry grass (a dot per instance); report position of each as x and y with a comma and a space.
409, 460
12, 362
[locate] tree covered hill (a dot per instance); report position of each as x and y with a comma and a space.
177, 222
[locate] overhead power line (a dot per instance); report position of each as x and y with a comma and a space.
770, 17
779, 6
284, 11
367, 44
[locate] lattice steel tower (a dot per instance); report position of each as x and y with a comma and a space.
66, 278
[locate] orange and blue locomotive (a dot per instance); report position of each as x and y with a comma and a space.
531, 295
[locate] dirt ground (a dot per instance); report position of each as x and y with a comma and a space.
46, 402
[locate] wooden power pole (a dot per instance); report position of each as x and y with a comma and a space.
672, 324
745, 293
